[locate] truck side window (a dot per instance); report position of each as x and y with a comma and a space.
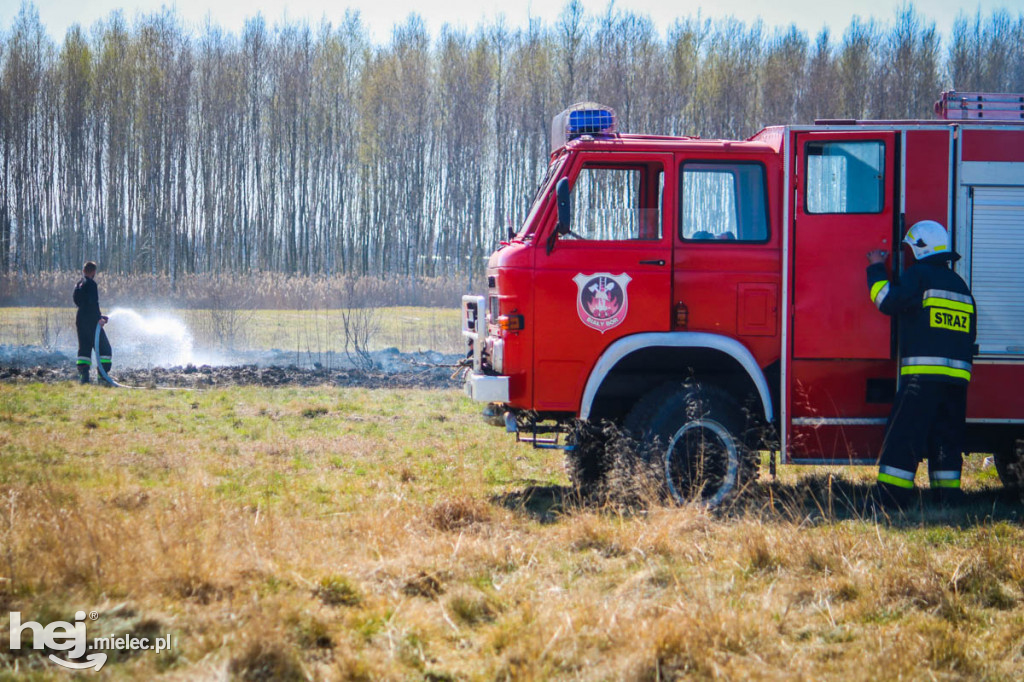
845, 177
723, 201
618, 203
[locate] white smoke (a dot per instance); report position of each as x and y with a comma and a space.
152, 340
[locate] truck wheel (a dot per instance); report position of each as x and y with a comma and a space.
1010, 463
586, 464
695, 432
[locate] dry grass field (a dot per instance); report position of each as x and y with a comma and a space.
313, 330
348, 534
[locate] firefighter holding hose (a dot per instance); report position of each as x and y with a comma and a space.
937, 322
87, 298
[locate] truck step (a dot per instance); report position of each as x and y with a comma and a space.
542, 443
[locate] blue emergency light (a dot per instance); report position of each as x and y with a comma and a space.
584, 118
590, 121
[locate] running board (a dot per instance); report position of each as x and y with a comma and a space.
542, 443
535, 430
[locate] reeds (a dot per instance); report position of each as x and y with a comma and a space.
260, 290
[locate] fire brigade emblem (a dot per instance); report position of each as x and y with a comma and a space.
602, 302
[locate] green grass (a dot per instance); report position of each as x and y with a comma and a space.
406, 328
330, 533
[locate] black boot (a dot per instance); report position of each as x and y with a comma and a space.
83, 374
950, 498
885, 498
106, 370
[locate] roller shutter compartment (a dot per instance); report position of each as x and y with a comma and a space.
997, 267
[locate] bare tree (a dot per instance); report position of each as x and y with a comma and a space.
857, 66
306, 150
820, 94
360, 324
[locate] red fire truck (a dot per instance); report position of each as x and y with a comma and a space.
686, 290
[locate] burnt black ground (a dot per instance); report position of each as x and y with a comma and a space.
386, 368
431, 377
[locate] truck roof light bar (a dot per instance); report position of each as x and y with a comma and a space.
992, 106
583, 118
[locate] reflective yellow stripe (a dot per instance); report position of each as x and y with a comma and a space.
893, 480
950, 483
85, 362
946, 303
876, 287
897, 472
937, 369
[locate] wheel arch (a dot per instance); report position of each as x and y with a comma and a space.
635, 364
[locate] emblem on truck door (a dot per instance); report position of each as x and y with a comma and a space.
601, 301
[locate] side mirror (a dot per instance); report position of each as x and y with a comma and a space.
564, 208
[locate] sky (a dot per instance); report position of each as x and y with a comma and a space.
380, 16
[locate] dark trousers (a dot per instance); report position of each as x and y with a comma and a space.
86, 337
927, 422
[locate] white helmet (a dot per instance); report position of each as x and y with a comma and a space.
927, 238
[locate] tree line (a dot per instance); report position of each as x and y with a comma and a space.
305, 149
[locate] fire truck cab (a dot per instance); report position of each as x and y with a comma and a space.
702, 294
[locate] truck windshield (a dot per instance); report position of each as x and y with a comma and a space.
529, 225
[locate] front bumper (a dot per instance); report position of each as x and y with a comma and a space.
486, 389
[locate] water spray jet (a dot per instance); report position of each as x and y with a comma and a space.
161, 335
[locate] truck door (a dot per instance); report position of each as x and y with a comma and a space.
610, 278
841, 379
844, 208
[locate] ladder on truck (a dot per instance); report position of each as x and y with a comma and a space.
991, 106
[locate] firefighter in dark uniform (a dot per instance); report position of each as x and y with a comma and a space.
937, 322
87, 298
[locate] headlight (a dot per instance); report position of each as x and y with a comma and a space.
498, 356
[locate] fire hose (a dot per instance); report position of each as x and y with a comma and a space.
109, 380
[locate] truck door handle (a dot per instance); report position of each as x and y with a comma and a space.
652, 262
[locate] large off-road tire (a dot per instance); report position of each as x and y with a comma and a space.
586, 463
1009, 460
694, 434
